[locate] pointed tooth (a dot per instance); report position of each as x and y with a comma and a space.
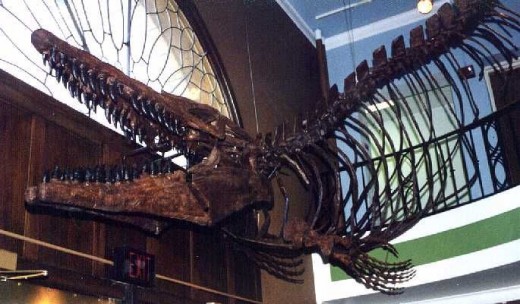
117, 116
141, 101
79, 175
128, 134
150, 107
169, 167
134, 102
53, 56
75, 68
45, 58
120, 88
92, 77
118, 174
113, 91
72, 88
135, 173
100, 102
168, 123
87, 98
108, 114
102, 86
65, 78
160, 112
46, 177
83, 73
141, 133
59, 73
147, 107
175, 124
79, 92
111, 175
127, 174
95, 102
125, 117
66, 176
146, 168
63, 58
100, 174
160, 118
154, 168
89, 175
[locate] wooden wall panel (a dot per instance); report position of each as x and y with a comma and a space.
172, 251
14, 157
67, 150
209, 263
245, 277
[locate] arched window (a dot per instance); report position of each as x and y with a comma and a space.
149, 40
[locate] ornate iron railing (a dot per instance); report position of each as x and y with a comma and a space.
489, 152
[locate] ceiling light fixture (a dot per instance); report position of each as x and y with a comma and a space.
425, 6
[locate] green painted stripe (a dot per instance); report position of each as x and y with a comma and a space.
487, 233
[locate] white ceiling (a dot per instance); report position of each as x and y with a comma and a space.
343, 21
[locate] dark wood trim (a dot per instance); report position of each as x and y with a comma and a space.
198, 25
36, 151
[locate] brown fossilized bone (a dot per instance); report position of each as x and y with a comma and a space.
230, 171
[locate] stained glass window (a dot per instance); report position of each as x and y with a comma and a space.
150, 40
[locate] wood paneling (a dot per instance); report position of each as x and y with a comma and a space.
208, 263
14, 157
66, 150
172, 251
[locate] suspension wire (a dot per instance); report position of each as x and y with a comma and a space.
78, 27
128, 31
350, 32
251, 70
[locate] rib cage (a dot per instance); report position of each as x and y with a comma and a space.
389, 182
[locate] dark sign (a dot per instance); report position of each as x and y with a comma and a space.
134, 266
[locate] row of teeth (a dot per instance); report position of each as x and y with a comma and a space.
97, 89
102, 174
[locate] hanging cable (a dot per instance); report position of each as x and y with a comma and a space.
251, 71
350, 32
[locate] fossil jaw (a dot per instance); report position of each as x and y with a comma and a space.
164, 194
140, 111
220, 152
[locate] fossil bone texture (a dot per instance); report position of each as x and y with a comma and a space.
388, 186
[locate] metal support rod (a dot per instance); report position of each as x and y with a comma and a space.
128, 31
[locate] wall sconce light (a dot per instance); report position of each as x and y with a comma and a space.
424, 6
